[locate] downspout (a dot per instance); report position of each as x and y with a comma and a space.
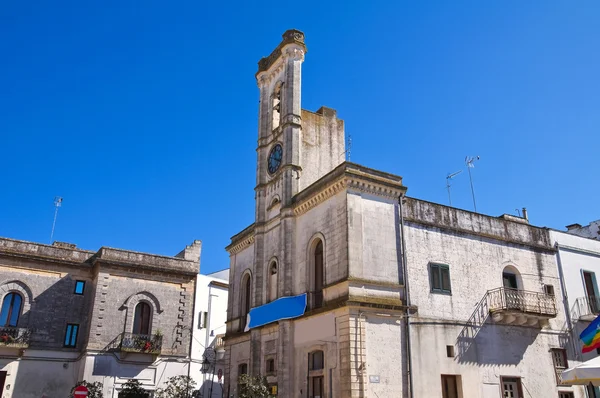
407, 296
206, 332
192, 328
565, 299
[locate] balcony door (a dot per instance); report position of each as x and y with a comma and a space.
591, 288
511, 295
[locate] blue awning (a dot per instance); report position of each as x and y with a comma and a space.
282, 308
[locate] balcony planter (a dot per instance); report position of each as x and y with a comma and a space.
14, 337
142, 343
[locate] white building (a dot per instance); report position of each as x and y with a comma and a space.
592, 230
578, 260
405, 298
210, 313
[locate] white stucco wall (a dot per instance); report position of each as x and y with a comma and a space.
575, 255
217, 315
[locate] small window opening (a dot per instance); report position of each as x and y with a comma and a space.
79, 287
71, 335
450, 351
549, 290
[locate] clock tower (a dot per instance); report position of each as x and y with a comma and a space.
279, 124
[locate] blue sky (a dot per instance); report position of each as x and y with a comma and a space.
143, 115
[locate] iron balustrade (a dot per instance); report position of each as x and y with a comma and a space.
586, 306
14, 337
142, 343
504, 298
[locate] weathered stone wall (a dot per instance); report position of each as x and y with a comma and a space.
322, 144
115, 281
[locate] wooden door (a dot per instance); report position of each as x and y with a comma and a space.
2, 380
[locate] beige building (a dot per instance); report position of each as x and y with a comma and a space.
405, 298
108, 316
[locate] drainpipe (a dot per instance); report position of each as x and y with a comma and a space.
407, 296
565, 298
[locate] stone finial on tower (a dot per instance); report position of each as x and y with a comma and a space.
291, 36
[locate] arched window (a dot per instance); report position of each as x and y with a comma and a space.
511, 278
276, 106
245, 299
272, 281
318, 275
11, 310
141, 320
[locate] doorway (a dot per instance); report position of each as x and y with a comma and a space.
2, 380
589, 280
317, 387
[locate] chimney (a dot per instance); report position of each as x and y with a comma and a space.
525, 214
571, 227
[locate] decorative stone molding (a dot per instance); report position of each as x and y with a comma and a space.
132, 301
320, 197
291, 36
373, 188
22, 289
349, 176
244, 244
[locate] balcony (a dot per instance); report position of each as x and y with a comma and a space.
586, 308
219, 343
520, 307
141, 343
14, 337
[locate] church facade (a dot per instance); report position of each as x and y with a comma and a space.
404, 298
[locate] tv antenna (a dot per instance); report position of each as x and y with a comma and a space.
346, 153
448, 178
57, 203
469, 162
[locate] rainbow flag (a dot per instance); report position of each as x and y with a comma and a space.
591, 336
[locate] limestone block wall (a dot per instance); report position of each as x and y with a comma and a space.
240, 263
326, 221
49, 302
374, 238
476, 265
119, 291
323, 144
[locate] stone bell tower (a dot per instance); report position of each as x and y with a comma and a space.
279, 132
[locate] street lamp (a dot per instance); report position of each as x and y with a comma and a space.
206, 365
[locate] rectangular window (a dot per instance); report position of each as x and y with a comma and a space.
559, 358
449, 386
243, 369
273, 389
565, 394
440, 278
549, 290
270, 366
79, 287
202, 320
450, 351
71, 335
511, 387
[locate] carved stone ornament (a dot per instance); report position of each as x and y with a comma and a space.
291, 36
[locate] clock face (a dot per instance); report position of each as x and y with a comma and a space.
275, 157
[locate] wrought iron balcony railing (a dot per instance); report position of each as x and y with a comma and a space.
141, 343
506, 299
14, 337
586, 308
